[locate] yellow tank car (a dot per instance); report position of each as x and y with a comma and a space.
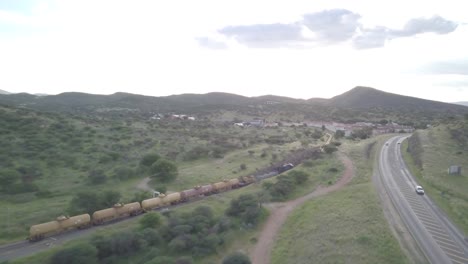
78, 221
37, 232
103, 215
220, 186
129, 209
233, 183
150, 204
172, 198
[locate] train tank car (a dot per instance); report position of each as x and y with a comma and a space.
220, 186
79, 221
234, 183
206, 189
150, 204
104, 215
129, 209
190, 193
172, 198
119, 210
62, 223
246, 180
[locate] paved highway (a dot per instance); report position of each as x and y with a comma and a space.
437, 237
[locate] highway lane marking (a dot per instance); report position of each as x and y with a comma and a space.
445, 244
437, 225
423, 212
419, 207
451, 256
413, 198
436, 231
428, 219
457, 261
450, 249
430, 222
449, 241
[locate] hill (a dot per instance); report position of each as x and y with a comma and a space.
461, 103
365, 98
358, 104
3, 92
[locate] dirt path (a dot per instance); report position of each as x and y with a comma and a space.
278, 215
143, 185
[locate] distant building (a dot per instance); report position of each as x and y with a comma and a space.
454, 170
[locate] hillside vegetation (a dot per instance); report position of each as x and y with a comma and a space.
56, 158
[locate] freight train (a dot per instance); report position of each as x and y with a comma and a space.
118, 211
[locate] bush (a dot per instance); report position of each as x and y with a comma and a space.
299, 176
97, 177
161, 260
149, 159
329, 149
117, 244
184, 260
164, 170
236, 258
82, 253
150, 220
123, 173
246, 208
151, 236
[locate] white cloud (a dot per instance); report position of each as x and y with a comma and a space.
151, 47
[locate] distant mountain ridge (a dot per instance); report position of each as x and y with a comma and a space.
3, 92
360, 103
461, 103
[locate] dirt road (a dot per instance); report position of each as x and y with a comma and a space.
143, 185
278, 215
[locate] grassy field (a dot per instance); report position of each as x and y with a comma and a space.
347, 226
240, 240
449, 192
64, 182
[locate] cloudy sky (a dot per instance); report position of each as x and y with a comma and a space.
299, 49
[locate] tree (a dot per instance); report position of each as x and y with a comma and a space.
164, 170
149, 159
299, 176
141, 195
109, 198
329, 149
29, 172
123, 173
236, 258
339, 134
90, 202
84, 202
78, 254
243, 166
246, 207
150, 220
184, 260
151, 236
8, 177
97, 177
